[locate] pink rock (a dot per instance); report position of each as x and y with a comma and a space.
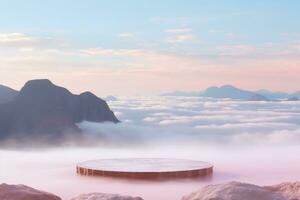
102, 196
234, 191
22, 192
290, 190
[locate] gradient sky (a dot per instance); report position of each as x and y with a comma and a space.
146, 47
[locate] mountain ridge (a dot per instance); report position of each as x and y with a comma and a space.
42, 108
7, 94
232, 92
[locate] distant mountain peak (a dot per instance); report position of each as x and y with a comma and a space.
233, 92
40, 91
227, 91
228, 87
38, 83
88, 94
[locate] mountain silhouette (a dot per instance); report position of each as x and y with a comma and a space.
44, 109
7, 94
227, 91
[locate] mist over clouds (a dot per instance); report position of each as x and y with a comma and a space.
190, 120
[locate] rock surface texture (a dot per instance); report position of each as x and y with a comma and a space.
234, 191
22, 192
102, 196
289, 190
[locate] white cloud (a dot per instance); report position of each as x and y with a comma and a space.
14, 37
113, 52
149, 119
277, 137
180, 38
189, 120
21, 40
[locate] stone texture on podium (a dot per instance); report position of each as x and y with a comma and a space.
145, 168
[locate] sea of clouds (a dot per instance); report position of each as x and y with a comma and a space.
255, 142
205, 121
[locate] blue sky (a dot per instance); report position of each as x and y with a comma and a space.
216, 32
259, 19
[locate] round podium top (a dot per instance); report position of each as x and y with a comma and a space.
144, 165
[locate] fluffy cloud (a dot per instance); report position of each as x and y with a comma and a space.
181, 38
113, 52
14, 37
28, 42
190, 120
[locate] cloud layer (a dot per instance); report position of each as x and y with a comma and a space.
201, 121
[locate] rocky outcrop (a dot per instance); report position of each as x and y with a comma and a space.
22, 192
289, 190
103, 196
227, 191
7, 94
44, 109
234, 191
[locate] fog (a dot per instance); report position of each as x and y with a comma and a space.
54, 170
256, 142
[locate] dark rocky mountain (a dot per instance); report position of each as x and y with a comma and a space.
44, 109
7, 94
257, 97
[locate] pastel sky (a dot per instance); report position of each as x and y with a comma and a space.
125, 47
